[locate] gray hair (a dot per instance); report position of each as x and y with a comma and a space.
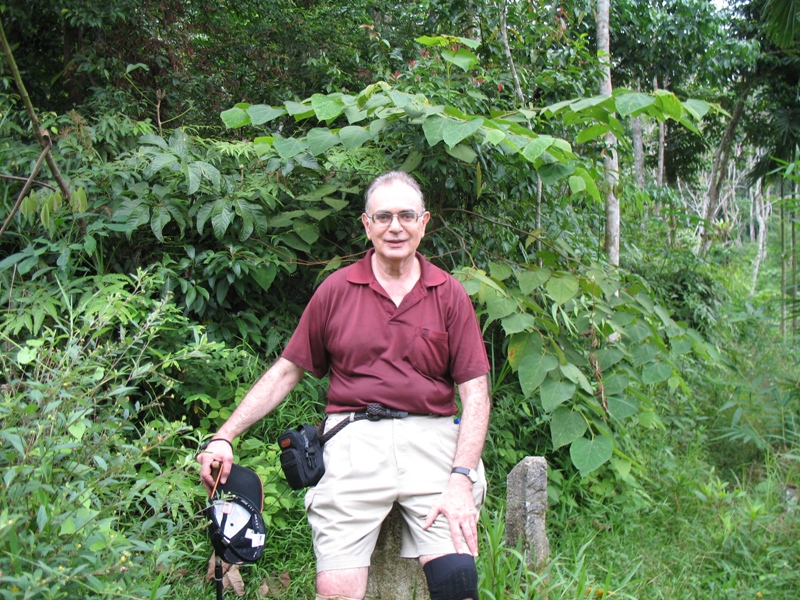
390, 178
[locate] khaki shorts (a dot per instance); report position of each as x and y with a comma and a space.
370, 465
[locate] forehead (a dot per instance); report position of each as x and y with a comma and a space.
394, 196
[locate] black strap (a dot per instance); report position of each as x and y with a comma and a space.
373, 412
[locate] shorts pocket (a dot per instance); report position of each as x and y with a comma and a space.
430, 354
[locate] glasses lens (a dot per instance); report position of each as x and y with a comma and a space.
406, 217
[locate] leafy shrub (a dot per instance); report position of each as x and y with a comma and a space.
96, 488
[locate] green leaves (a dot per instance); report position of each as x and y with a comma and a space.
533, 369
562, 288
586, 350
590, 454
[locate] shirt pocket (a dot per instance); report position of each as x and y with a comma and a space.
430, 354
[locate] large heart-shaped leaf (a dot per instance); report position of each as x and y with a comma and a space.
325, 107
533, 369
615, 383
534, 150
289, 147
622, 407
555, 392
263, 113
588, 455
562, 288
530, 280
499, 307
656, 373
462, 58
235, 117
455, 131
608, 357
522, 345
518, 322
320, 139
353, 136
628, 104
433, 127
566, 426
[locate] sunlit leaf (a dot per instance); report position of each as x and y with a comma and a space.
353, 136
321, 139
562, 288
530, 280
235, 117
326, 108
518, 322
456, 131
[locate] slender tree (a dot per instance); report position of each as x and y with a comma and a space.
610, 161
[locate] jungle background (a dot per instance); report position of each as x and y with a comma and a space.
614, 183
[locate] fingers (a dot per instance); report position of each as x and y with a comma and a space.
216, 456
462, 518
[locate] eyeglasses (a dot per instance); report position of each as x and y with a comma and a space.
404, 217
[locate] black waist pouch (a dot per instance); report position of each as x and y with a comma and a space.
301, 456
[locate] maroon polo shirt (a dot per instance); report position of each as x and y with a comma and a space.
406, 357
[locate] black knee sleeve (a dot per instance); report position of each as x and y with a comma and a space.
452, 577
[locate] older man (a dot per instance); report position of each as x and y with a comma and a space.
390, 329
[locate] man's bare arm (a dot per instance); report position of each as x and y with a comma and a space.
457, 503
263, 397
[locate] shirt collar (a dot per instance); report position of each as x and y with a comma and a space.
361, 272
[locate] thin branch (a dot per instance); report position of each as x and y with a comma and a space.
42, 136
507, 48
35, 181
25, 188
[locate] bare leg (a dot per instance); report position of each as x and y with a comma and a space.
345, 583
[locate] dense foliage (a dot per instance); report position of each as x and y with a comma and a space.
209, 198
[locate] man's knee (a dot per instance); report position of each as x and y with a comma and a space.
452, 577
319, 597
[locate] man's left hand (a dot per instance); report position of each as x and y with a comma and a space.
457, 504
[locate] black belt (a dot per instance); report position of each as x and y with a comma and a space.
373, 412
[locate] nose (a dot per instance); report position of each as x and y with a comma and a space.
395, 223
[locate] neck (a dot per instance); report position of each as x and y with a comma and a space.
394, 270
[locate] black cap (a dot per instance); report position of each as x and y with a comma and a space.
244, 482
236, 527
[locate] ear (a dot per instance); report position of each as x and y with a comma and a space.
426, 216
365, 223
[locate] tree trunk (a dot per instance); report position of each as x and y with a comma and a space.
760, 213
610, 164
783, 264
662, 141
507, 48
718, 171
638, 151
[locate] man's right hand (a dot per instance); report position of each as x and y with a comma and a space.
219, 451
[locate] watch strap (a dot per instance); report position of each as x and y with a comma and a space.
470, 474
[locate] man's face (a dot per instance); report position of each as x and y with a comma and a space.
398, 240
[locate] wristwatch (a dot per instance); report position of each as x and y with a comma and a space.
472, 474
